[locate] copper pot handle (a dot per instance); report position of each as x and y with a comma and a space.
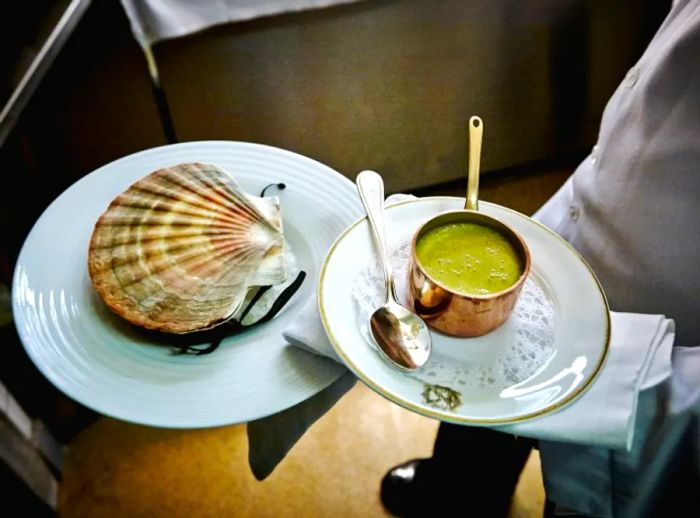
476, 130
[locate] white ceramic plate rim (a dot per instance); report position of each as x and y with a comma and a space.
309, 374
397, 396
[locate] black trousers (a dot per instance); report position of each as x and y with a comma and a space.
473, 472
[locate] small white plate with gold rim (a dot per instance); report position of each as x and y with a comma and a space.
96, 358
514, 373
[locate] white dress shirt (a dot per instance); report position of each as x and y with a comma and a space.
632, 209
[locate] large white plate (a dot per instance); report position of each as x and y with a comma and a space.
580, 313
95, 358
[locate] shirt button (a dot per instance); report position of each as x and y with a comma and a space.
573, 213
594, 154
631, 77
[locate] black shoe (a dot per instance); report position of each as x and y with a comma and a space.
402, 491
426, 488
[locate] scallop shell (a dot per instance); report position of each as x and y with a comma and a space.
178, 250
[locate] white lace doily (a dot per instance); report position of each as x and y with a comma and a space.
529, 345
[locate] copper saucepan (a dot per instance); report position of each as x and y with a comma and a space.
444, 308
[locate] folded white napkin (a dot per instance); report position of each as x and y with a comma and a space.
604, 415
307, 332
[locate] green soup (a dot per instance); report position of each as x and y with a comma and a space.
469, 258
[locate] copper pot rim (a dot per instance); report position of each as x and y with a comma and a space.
490, 296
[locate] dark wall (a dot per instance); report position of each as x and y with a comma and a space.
384, 84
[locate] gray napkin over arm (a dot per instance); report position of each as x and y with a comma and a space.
271, 438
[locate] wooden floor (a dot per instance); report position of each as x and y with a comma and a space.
119, 469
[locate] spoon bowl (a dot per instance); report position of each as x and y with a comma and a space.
402, 336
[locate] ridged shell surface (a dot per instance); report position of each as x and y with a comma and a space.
178, 250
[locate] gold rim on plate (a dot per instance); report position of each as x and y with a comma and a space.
434, 413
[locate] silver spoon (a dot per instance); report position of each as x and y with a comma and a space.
402, 335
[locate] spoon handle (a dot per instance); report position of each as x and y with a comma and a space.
371, 188
476, 129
